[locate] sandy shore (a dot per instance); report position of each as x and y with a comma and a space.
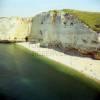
85, 65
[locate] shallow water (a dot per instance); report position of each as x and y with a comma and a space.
24, 76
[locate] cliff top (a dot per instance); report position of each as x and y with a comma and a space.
91, 19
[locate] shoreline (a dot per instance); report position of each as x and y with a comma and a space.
87, 66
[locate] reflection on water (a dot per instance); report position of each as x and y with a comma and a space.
25, 77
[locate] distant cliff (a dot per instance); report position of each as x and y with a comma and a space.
14, 28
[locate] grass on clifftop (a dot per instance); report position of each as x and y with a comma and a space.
89, 18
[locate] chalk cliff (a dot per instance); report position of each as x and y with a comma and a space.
52, 29
64, 30
14, 28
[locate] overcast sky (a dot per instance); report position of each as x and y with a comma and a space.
32, 7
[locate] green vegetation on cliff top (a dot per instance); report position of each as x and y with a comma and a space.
91, 19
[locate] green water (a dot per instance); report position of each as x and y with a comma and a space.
24, 76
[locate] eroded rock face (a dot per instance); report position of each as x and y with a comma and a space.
54, 28
14, 28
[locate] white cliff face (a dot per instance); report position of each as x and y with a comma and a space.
14, 28
51, 28
63, 28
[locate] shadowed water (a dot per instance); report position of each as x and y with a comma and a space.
24, 76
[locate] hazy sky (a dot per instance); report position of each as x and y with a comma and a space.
32, 7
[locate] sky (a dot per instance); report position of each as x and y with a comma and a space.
26, 8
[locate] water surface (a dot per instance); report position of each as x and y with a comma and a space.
24, 76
